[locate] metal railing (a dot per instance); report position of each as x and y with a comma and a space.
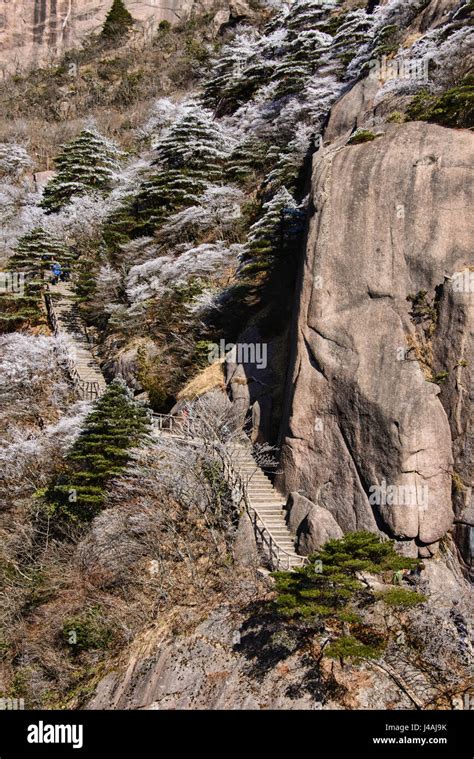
278, 557
51, 314
181, 426
86, 389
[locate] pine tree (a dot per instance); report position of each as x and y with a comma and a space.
196, 145
85, 288
355, 31
290, 160
86, 164
116, 424
320, 37
192, 154
36, 251
271, 237
302, 56
250, 158
164, 193
304, 46
34, 254
14, 160
118, 21
328, 591
306, 15
157, 197
237, 74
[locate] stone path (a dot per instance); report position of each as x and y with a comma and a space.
67, 324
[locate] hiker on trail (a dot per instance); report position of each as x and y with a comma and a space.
57, 273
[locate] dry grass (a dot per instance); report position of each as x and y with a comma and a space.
144, 556
114, 86
210, 378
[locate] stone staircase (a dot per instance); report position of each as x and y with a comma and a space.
265, 507
67, 325
251, 487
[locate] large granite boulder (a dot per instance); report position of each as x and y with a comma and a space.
366, 428
312, 524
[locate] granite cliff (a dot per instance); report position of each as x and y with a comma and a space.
36, 33
363, 409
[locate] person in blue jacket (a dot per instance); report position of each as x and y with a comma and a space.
57, 273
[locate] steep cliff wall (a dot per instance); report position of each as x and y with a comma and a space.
390, 222
35, 32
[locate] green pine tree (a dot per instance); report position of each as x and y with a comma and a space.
303, 46
306, 15
158, 196
273, 235
289, 163
235, 77
195, 145
328, 590
34, 254
164, 194
37, 251
249, 159
118, 21
85, 288
101, 452
193, 153
86, 164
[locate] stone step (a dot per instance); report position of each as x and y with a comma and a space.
260, 493
275, 507
282, 541
266, 501
286, 545
73, 335
254, 474
274, 518
256, 484
267, 517
263, 492
260, 487
279, 531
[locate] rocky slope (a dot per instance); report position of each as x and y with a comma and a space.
217, 667
36, 32
236, 659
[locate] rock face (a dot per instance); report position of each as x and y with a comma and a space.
312, 524
366, 435
219, 666
454, 348
248, 377
36, 32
